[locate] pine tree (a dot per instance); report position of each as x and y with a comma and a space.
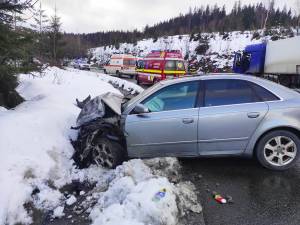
15, 46
55, 37
41, 26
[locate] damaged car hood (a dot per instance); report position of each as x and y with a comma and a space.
102, 106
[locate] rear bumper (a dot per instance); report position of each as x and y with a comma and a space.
128, 72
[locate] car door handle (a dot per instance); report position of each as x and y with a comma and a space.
188, 120
253, 115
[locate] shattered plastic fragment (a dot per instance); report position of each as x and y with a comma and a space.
159, 195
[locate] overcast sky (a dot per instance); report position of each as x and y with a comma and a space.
82, 16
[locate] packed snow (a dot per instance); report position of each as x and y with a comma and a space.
35, 161
58, 212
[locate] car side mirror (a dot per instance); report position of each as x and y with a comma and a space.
140, 109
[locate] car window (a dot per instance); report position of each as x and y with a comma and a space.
228, 91
180, 65
126, 62
132, 62
173, 97
263, 93
140, 64
170, 65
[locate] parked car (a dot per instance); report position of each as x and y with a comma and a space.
219, 115
121, 64
82, 66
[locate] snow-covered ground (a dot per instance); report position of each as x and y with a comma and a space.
35, 160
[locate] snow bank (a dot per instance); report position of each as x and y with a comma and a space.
34, 142
130, 196
110, 79
129, 191
35, 161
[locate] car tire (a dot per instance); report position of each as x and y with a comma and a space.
278, 150
118, 73
107, 153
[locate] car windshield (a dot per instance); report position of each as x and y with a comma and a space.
144, 93
129, 62
174, 65
170, 65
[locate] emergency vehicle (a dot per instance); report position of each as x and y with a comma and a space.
160, 65
120, 64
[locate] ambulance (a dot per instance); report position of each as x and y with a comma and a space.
160, 65
121, 64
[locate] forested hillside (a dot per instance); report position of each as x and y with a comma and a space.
198, 20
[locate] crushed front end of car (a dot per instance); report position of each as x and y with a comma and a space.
100, 139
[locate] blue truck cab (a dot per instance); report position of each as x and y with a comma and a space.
251, 60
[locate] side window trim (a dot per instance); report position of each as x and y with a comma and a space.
201, 94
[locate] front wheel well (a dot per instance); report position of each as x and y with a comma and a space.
291, 129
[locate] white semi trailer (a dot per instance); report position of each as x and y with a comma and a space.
277, 60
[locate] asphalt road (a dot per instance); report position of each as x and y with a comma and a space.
261, 196
125, 77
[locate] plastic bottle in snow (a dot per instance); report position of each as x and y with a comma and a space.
159, 195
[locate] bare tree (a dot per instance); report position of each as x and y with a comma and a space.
41, 26
297, 9
269, 4
55, 35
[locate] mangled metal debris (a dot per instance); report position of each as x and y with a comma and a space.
100, 138
102, 106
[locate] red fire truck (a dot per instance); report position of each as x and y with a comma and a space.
160, 65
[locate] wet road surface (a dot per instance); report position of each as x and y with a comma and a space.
261, 196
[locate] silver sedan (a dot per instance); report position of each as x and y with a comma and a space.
215, 115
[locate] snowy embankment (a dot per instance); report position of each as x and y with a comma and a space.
221, 47
35, 159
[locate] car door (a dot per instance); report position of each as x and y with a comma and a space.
230, 114
170, 128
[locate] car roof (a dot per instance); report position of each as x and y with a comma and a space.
281, 91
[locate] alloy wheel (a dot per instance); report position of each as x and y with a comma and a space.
102, 155
280, 151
